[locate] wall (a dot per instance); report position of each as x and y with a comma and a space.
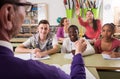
108, 10
55, 9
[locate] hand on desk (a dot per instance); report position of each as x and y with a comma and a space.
112, 54
37, 53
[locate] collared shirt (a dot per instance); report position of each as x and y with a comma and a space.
34, 42
6, 44
14, 68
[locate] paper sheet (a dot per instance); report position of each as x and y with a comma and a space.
105, 56
66, 69
68, 56
28, 56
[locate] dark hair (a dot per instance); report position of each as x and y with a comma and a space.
95, 27
44, 22
2, 2
111, 25
62, 20
74, 26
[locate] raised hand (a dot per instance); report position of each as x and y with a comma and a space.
80, 46
77, 11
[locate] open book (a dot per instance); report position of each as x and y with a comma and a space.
66, 69
106, 56
29, 56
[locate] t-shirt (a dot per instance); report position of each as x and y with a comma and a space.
68, 46
115, 44
34, 42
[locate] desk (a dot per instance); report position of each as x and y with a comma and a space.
117, 35
15, 44
97, 61
59, 59
18, 40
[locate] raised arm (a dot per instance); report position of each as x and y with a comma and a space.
81, 21
77, 68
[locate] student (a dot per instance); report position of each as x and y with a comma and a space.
42, 43
92, 26
62, 31
12, 14
68, 45
108, 44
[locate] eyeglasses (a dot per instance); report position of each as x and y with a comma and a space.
28, 6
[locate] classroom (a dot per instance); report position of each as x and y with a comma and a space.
74, 17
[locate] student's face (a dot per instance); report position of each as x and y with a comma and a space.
66, 22
89, 15
106, 32
43, 29
73, 34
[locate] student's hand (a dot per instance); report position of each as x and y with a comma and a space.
80, 46
35, 50
40, 54
114, 55
77, 11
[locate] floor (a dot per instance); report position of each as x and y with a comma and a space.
107, 74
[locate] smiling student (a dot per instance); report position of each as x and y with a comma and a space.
43, 43
68, 45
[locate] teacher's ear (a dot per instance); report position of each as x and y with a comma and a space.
7, 15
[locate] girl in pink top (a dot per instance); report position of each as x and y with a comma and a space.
107, 44
92, 26
62, 31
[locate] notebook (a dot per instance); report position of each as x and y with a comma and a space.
28, 56
106, 56
66, 69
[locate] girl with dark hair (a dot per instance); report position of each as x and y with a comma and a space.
108, 44
92, 26
62, 31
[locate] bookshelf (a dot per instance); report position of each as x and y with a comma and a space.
29, 27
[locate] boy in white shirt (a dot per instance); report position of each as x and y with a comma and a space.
68, 45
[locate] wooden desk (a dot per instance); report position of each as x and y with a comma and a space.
18, 40
15, 44
97, 61
59, 59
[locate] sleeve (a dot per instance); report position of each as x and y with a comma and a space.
60, 32
28, 43
63, 48
82, 22
116, 45
89, 50
77, 68
99, 29
44, 71
55, 41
